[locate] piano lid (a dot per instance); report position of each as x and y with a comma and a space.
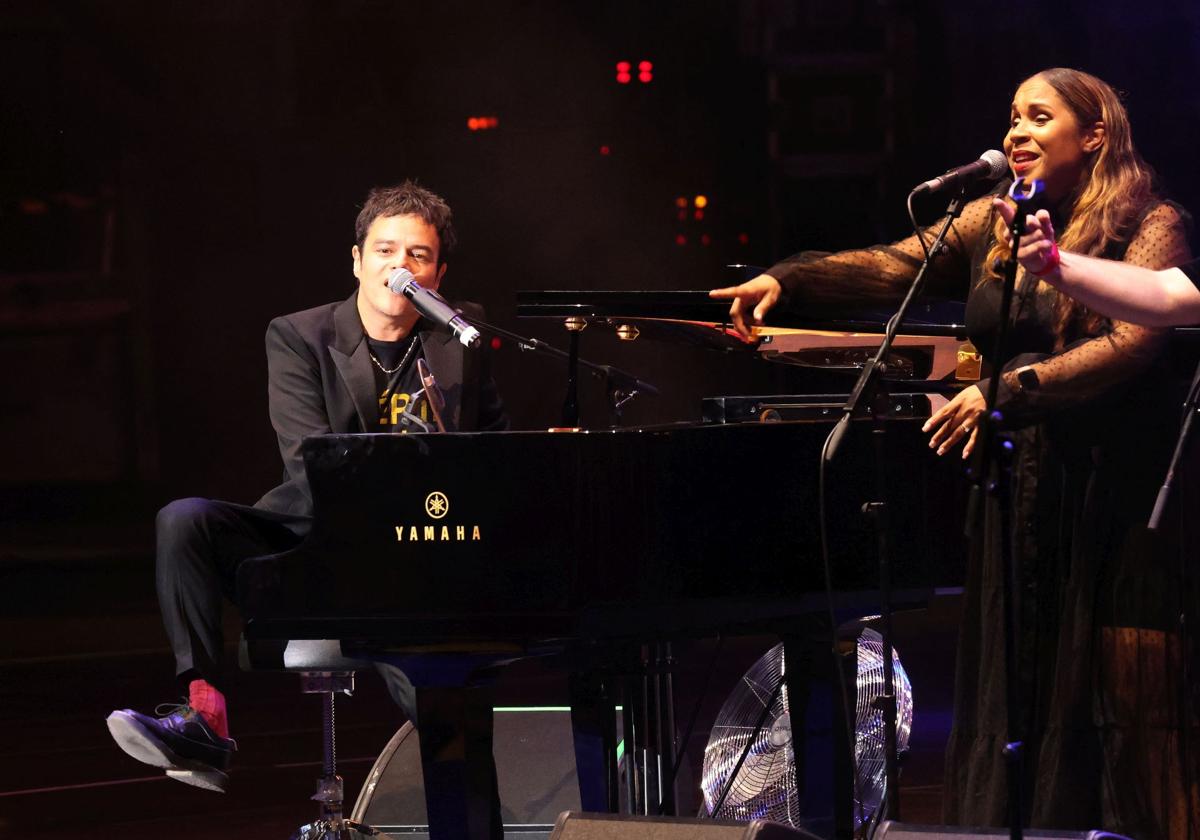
935, 318
824, 337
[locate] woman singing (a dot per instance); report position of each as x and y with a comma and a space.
1099, 598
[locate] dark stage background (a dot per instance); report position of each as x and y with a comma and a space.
199, 166
175, 174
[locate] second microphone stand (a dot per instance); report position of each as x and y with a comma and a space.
870, 390
997, 450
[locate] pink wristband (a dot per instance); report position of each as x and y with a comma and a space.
1052, 263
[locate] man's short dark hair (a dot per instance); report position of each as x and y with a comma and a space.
408, 199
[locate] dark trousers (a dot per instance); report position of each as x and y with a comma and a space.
201, 543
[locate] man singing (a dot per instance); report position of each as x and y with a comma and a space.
349, 366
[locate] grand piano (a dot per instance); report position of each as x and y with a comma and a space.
484, 548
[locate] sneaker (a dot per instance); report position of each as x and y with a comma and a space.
180, 741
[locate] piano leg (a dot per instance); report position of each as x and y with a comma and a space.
594, 728
824, 768
461, 796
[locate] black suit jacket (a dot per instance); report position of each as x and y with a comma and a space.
320, 381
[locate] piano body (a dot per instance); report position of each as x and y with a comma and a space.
490, 547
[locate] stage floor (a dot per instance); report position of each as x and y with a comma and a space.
82, 637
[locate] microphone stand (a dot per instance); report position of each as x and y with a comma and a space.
871, 391
1191, 405
997, 448
620, 386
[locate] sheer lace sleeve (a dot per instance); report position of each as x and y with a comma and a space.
882, 273
1090, 368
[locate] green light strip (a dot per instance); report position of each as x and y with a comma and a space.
540, 708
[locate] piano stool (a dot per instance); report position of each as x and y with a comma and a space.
325, 670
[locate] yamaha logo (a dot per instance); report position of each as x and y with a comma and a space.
437, 505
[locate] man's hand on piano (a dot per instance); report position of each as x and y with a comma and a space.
755, 296
955, 420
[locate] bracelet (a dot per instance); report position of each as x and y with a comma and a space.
1053, 262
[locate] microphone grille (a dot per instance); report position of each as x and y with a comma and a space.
400, 278
996, 162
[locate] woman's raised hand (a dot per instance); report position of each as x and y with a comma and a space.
1038, 252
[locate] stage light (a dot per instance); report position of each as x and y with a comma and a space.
681, 202
482, 123
645, 72
743, 239
705, 239
701, 201
623, 76
495, 342
605, 151
680, 239
698, 215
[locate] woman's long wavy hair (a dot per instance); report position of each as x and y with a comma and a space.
1105, 208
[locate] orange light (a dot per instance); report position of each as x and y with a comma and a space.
473, 124
701, 201
681, 202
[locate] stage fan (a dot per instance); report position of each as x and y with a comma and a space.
764, 787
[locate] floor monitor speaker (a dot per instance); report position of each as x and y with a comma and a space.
535, 773
900, 831
576, 826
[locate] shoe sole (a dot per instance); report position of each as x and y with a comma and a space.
142, 745
207, 779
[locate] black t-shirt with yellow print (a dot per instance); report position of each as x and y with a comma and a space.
396, 381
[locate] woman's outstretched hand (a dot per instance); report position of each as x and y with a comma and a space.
755, 297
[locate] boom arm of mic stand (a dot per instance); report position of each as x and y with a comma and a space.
868, 380
626, 381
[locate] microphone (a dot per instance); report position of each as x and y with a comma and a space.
433, 306
991, 166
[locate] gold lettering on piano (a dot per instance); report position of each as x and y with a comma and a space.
432, 533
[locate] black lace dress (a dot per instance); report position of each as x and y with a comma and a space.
1099, 599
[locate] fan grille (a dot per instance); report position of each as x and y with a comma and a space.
764, 787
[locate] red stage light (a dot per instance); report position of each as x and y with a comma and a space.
482, 123
744, 238
680, 239
699, 214
623, 78
604, 150
645, 78
645, 66
705, 239
623, 67
495, 342
645, 72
